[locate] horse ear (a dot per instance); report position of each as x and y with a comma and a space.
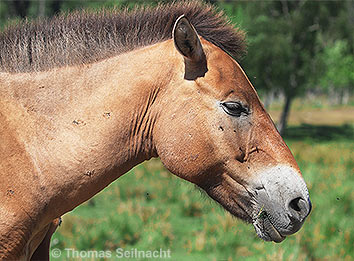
188, 44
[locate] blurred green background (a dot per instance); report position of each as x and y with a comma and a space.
300, 59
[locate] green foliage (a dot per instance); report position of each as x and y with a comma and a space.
282, 41
338, 65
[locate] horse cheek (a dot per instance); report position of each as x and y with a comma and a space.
186, 156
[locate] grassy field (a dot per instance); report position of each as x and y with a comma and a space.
150, 209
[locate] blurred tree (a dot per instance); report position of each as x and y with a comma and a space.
335, 55
338, 74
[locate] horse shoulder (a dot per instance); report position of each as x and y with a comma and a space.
18, 187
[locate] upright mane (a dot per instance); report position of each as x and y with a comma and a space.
86, 37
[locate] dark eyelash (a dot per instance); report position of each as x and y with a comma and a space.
235, 108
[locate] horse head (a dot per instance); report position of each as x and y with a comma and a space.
214, 132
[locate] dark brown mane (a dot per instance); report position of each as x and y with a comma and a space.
86, 37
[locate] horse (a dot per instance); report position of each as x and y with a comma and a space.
84, 97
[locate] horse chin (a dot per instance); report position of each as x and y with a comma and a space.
266, 230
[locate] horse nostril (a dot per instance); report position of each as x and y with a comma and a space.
294, 204
299, 208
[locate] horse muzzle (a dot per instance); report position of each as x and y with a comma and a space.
282, 203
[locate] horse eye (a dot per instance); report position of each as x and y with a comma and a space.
234, 109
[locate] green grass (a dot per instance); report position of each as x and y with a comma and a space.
149, 208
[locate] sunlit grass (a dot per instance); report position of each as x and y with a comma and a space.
328, 169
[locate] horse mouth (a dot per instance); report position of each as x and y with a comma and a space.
265, 228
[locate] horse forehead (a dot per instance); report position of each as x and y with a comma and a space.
227, 76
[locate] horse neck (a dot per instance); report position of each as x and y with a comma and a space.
87, 126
